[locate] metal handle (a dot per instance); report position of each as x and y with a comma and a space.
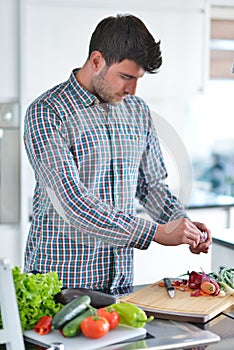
167, 282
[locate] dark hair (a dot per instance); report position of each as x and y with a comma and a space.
126, 37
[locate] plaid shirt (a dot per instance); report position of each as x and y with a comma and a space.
90, 162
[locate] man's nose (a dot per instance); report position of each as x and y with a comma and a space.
130, 87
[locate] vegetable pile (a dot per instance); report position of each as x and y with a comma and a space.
221, 283
225, 279
200, 283
80, 317
35, 296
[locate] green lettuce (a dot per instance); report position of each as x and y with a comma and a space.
35, 296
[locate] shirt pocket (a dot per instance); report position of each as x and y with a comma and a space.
131, 147
93, 146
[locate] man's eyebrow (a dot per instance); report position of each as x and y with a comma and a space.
129, 75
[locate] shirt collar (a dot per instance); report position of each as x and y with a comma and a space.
85, 96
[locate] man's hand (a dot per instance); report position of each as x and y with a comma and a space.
202, 247
183, 231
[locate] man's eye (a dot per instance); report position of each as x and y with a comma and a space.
125, 77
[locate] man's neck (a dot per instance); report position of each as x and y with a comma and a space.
84, 78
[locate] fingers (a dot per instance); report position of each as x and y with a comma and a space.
184, 231
194, 250
201, 248
204, 246
176, 232
192, 234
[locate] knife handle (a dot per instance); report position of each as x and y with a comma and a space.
167, 283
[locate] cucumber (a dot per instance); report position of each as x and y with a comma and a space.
70, 311
72, 328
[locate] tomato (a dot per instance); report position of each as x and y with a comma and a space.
95, 326
111, 315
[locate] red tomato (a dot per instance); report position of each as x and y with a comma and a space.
95, 326
111, 315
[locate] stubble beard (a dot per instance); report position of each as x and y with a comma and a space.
102, 89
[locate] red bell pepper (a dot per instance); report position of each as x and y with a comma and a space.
44, 325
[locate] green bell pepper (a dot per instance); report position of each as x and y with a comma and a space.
131, 315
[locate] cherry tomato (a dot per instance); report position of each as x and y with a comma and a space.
111, 315
95, 326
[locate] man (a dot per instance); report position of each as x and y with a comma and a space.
93, 148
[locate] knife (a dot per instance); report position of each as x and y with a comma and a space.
170, 289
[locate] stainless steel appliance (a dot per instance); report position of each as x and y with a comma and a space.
9, 163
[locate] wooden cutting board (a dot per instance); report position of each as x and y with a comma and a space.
80, 342
156, 301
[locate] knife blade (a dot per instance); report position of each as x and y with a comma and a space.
170, 289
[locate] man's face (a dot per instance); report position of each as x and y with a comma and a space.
111, 84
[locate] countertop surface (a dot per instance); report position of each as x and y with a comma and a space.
224, 237
203, 199
216, 334
164, 334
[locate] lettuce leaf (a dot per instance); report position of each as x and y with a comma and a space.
35, 296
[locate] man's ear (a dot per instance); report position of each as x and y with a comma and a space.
97, 61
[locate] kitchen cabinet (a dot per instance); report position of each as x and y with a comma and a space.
223, 249
9, 58
222, 255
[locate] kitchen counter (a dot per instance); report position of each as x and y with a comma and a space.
209, 200
205, 200
160, 334
224, 238
165, 334
216, 334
